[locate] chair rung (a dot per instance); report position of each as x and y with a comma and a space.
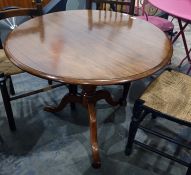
15, 97
150, 148
115, 2
163, 136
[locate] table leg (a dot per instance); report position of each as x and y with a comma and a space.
93, 135
182, 28
179, 33
88, 98
68, 98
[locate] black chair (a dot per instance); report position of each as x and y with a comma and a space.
168, 97
7, 69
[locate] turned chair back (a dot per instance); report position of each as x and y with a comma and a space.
11, 15
123, 6
12, 11
143, 7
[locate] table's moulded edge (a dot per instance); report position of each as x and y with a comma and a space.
69, 80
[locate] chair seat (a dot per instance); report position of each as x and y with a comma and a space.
170, 94
6, 66
159, 22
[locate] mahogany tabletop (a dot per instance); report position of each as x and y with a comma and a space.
178, 8
88, 47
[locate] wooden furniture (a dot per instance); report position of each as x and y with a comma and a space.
123, 6
167, 97
89, 48
7, 68
180, 10
20, 3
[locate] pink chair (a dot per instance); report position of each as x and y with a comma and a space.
163, 24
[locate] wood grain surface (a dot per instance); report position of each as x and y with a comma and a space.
89, 47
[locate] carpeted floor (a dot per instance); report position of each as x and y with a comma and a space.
47, 144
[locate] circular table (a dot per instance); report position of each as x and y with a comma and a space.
88, 48
181, 9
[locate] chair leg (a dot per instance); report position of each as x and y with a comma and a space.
50, 82
72, 90
12, 90
188, 171
132, 133
154, 116
123, 99
1, 140
138, 116
6, 101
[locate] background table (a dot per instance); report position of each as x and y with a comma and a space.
89, 48
181, 9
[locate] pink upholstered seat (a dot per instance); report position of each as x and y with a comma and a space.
177, 8
159, 22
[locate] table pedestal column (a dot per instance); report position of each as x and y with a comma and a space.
88, 98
